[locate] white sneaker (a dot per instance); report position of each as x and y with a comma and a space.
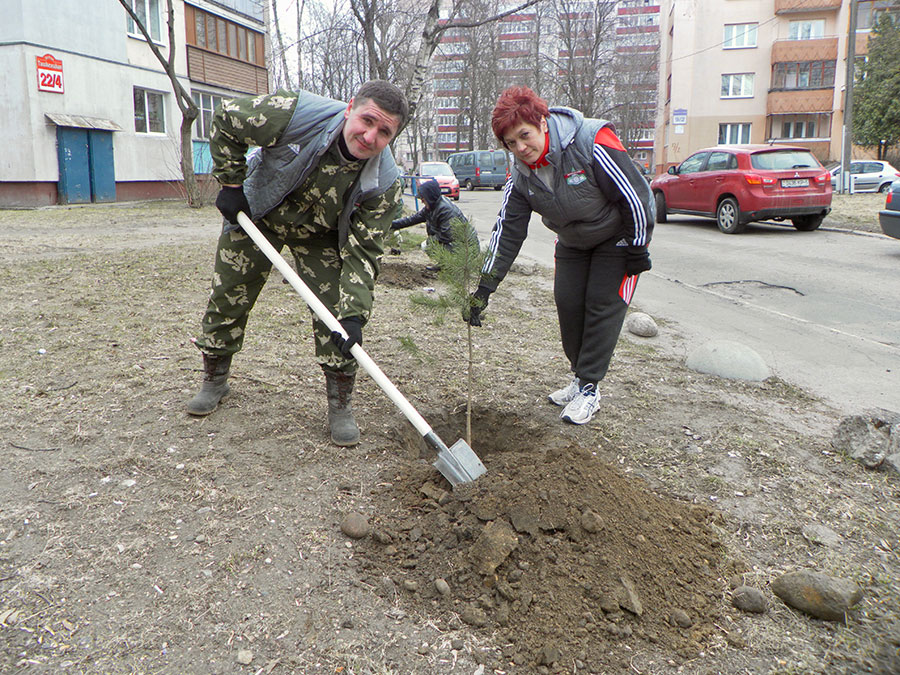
582, 408
566, 394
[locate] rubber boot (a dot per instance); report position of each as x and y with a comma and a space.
339, 388
215, 385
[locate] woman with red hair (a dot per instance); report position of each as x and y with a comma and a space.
574, 171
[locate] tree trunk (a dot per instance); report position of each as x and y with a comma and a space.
186, 105
280, 42
194, 199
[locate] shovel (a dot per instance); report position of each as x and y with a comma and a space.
458, 463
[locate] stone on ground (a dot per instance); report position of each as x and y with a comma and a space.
749, 599
822, 596
641, 324
728, 359
355, 525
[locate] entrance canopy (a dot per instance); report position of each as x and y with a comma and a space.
82, 122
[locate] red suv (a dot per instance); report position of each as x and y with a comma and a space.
737, 185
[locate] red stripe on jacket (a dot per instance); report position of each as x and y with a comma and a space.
607, 137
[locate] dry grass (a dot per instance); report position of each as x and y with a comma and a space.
855, 212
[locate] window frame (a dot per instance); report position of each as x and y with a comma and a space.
146, 111
731, 80
146, 7
740, 127
201, 126
227, 38
800, 23
734, 26
787, 75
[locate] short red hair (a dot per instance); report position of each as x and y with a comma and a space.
515, 106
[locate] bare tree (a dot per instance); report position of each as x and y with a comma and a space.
189, 110
279, 51
301, 6
431, 35
337, 62
634, 94
586, 53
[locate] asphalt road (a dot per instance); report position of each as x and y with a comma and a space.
821, 308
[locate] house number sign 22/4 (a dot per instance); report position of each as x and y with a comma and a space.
50, 74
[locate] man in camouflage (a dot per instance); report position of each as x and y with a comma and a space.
324, 184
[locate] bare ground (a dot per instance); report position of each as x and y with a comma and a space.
135, 539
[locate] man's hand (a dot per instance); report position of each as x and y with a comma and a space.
353, 326
231, 201
477, 302
637, 260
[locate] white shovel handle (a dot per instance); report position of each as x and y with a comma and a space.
333, 324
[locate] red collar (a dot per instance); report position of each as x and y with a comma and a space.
542, 160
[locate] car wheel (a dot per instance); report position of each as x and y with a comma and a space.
728, 216
469, 185
808, 223
498, 188
885, 188
661, 216
456, 198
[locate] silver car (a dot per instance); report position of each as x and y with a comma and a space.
868, 175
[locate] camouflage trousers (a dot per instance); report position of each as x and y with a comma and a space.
241, 271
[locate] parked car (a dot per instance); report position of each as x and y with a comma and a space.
740, 184
890, 217
443, 174
480, 168
868, 175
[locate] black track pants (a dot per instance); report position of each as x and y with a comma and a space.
592, 293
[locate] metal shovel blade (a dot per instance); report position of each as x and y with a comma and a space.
458, 463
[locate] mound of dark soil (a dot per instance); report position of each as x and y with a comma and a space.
552, 550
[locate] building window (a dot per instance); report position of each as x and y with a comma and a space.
149, 114
737, 85
734, 134
869, 11
207, 104
803, 75
148, 12
739, 35
801, 126
227, 38
808, 29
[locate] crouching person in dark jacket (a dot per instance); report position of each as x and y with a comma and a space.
438, 214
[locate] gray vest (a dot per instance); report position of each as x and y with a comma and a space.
575, 208
274, 172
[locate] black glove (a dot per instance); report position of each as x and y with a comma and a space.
637, 260
353, 326
230, 201
477, 302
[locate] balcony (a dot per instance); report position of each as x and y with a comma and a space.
820, 49
798, 6
800, 101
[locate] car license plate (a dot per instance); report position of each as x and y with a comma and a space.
795, 182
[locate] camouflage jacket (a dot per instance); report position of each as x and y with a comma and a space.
293, 131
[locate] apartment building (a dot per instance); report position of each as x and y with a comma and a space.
543, 47
637, 40
90, 114
755, 71
455, 67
